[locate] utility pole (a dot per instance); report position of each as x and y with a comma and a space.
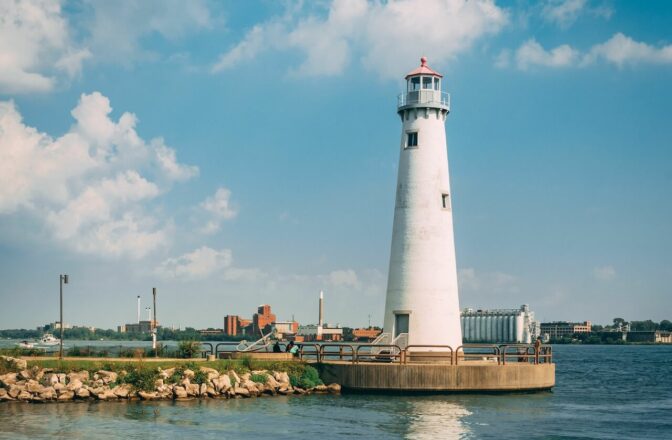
63, 280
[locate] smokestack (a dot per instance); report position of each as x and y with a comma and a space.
149, 313
138, 309
154, 295
321, 308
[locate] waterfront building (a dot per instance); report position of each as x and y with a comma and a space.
365, 334
655, 336
262, 320
422, 306
559, 329
499, 325
320, 331
285, 329
140, 327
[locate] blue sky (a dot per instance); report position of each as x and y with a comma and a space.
239, 153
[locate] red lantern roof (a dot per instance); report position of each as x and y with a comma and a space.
423, 70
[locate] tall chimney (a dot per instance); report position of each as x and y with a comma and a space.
138, 309
321, 308
154, 295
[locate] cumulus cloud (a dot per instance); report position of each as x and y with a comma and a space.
382, 36
115, 29
197, 264
218, 208
619, 50
88, 186
604, 273
206, 262
489, 282
532, 54
36, 47
564, 13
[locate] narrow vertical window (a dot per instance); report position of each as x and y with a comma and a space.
445, 201
412, 139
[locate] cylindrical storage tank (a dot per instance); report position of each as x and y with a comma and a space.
484, 328
512, 328
472, 330
463, 320
500, 328
519, 328
477, 328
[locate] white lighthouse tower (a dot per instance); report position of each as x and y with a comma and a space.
422, 306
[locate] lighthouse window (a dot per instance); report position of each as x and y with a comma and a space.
415, 83
412, 139
445, 201
427, 82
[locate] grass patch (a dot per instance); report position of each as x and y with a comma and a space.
259, 378
142, 378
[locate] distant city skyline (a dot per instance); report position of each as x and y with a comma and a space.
238, 154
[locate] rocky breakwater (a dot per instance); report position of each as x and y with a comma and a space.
151, 383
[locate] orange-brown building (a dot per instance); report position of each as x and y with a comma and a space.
365, 334
558, 329
262, 319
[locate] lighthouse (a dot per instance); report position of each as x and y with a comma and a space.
422, 305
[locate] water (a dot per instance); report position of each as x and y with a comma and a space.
602, 392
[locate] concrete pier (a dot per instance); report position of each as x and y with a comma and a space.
419, 377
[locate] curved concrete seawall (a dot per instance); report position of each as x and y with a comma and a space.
477, 377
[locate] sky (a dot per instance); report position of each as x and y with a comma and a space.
233, 154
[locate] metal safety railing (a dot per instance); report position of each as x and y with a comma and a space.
478, 352
419, 97
383, 353
526, 353
392, 353
417, 353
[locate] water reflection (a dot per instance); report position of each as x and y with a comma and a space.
436, 418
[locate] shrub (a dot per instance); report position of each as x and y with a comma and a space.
247, 362
200, 377
259, 378
6, 366
189, 349
308, 379
142, 378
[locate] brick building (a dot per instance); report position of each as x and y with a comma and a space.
559, 329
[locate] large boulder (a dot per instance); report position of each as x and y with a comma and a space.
48, 393
180, 392
271, 382
145, 395
222, 383
83, 393
193, 389
25, 374
244, 392
211, 372
82, 376
334, 388
74, 384
33, 386
107, 376
8, 379
67, 395
281, 376
122, 391
17, 363
189, 374
165, 374
234, 377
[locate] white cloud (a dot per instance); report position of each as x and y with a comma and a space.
488, 282
563, 12
116, 28
198, 264
206, 262
35, 46
532, 54
90, 185
219, 208
346, 278
383, 36
619, 50
604, 273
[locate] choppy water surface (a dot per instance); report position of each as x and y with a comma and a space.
602, 392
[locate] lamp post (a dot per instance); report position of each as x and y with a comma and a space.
64, 280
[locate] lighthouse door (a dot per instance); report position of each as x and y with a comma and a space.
400, 324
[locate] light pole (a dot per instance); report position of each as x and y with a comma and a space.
64, 280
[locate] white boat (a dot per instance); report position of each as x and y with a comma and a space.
48, 339
25, 344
